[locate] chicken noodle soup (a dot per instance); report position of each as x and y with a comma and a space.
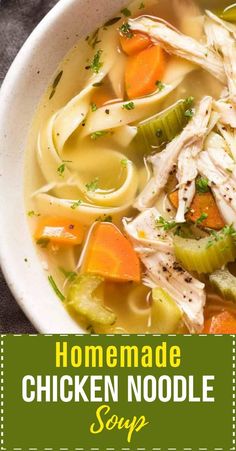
131, 172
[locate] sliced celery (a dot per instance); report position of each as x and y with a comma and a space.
164, 126
207, 254
82, 298
225, 283
229, 13
166, 315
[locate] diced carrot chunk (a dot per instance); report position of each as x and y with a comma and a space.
223, 323
59, 231
202, 203
143, 71
111, 255
135, 44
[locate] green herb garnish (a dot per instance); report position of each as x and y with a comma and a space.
125, 29
202, 185
112, 21
201, 218
61, 169
55, 288
93, 185
69, 275
107, 218
141, 6
226, 231
166, 225
76, 204
124, 162
98, 134
94, 107
32, 213
55, 84
43, 242
190, 112
126, 12
96, 64
128, 106
160, 85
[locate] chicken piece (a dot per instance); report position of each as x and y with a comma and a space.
217, 165
229, 135
186, 175
227, 112
165, 162
155, 249
222, 40
176, 43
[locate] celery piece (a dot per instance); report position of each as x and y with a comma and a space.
229, 13
225, 283
82, 298
207, 254
165, 315
164, 126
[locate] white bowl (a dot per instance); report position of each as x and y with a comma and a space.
26, 81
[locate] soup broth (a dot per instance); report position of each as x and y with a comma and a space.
120, 135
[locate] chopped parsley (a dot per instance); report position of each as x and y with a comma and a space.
55, 84
98, 134
202, 185
141, 6
124, 162
55, 288
96, 64
189, 101
160, 85
190, 112
43, 242
128, 106
93, 185
126, 12
76, 204
94, 107
166, 225
61, 169
69, 275
125, 29
202, 218
112, 21
105, 218
32, 213
226, 231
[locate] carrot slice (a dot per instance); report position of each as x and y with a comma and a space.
135, 44
110, 254
202, 203
223, 323
59, 231
143, 71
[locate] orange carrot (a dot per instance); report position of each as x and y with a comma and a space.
110, 254
222, 323
143, 71
202, 203
135, 44
59, 231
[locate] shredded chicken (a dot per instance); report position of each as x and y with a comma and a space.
222, 40
155, 249
191, 141
219, 167
181, 45
227, 112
